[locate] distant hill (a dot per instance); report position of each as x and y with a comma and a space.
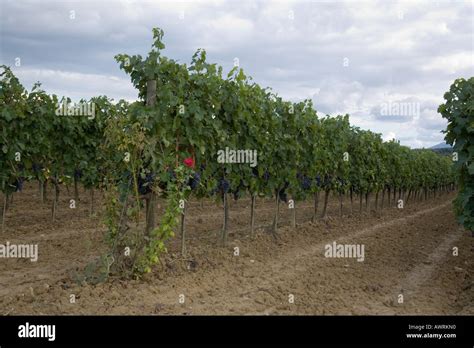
446, 151
442, 145
442, 149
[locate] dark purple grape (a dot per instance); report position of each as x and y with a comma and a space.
19, 184
224, 185
236, 195
318, 181
36, 168
145, 184
143, 188
282, 192
194, 180
266, 175
77, 174
305, 182
327, 180
283, 196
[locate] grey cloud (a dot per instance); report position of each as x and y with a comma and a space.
296, 47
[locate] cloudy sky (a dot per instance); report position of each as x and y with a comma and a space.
386, 63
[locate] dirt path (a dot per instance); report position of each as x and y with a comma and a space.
413, 284
295, 274
407, 252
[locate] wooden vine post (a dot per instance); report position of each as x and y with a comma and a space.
326, 198
55, 199
44, 192
150, 200
383, 197
252, 215
76, 189
376, 199
352, 199
4, 210
340, 203
91, 210
293, 215
226, 219
316, 204
277, 212
183, 230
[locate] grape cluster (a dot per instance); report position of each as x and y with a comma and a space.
305, 182
77, 174
194, 180
318, 181
145, 184
19, 184
36, 168
224, 185
283, 196
327, 180
266, 175
282, 192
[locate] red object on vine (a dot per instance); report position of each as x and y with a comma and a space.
189, 162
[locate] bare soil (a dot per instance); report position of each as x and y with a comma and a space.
408, 252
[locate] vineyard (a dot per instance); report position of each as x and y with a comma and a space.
147, 170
